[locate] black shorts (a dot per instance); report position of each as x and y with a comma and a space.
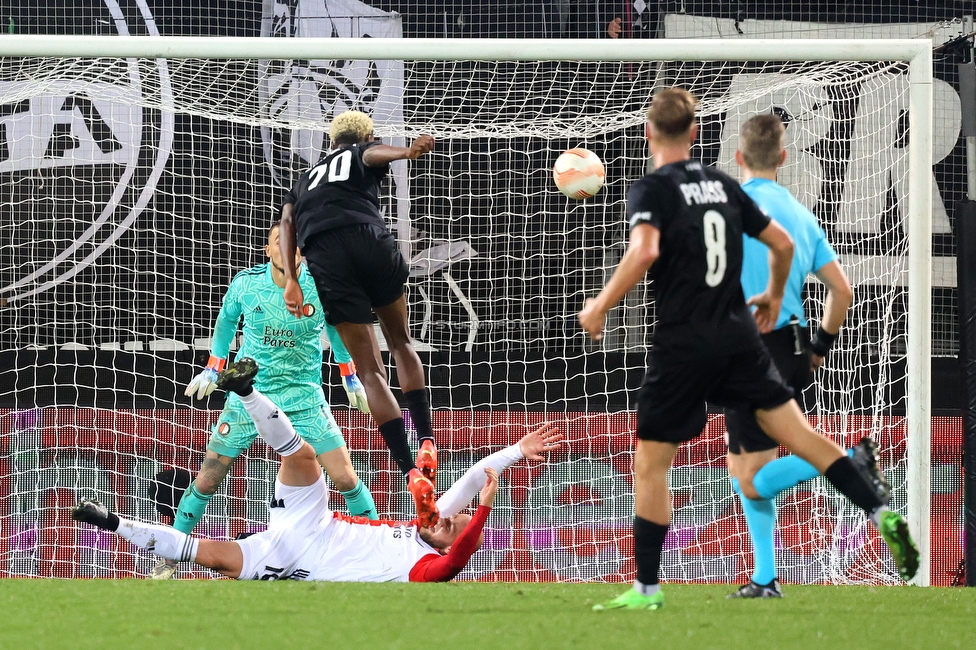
744, 433
356, 268
671, 401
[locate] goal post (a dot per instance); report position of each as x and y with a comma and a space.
916, 53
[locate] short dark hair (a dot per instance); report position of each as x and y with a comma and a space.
761, 141
167, 488
672, 112
276, 224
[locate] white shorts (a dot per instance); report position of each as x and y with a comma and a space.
296, 515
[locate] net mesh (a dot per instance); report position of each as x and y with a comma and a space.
137, 188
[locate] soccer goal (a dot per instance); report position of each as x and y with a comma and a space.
138, 174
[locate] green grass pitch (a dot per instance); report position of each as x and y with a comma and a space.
276, 615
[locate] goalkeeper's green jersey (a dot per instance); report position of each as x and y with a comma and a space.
288, 349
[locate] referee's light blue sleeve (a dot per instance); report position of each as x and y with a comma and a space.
339, 351
825, 253
227, 319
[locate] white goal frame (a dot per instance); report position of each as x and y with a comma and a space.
916, 52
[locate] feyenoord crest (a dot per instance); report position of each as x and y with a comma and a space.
308, 310
224, 428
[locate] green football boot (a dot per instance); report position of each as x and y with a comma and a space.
633, 599
894, 530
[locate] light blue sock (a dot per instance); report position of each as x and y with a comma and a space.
360, 502
761, 519
784, 473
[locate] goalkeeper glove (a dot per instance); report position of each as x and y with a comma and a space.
205, 383
354, 388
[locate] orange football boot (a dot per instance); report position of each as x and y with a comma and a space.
423, 496
427, 460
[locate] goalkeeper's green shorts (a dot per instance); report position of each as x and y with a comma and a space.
235, 431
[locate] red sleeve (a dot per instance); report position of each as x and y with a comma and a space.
441, 568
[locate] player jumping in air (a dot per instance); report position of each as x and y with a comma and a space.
307, 541
332, 214
290, 354
686, 225
757, 475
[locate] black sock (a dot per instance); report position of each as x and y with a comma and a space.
395, 434
112, 522
419, 407
844, 476
648, 542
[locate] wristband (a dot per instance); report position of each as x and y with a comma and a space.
821, 342
216, 363
346, 369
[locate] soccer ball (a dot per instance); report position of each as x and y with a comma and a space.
578, 173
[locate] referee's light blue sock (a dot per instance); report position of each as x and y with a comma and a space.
784, 473
761, 520
360, 502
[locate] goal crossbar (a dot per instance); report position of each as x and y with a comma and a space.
917, 52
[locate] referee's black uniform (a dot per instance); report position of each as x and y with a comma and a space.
350, 251
706, 346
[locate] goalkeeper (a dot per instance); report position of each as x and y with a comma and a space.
289, 352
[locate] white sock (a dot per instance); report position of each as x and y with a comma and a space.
875, 515
164, 541
647, 590
272, 424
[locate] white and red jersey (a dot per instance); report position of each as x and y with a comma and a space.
307, 541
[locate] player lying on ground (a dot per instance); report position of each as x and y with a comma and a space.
289, 352
332, 214
758, 476
307, 541
687, 222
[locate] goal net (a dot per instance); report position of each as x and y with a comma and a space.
135, 188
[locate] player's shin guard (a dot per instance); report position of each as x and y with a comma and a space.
191, 509
782, 474
164, 541
360, 502
761, 520
419, 406
844, 476
394, 434
648, 544
272, 424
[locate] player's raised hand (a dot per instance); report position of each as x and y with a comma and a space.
294, 298
488, 492
767, 310
593, 319
206, 381
540, 441
422, 145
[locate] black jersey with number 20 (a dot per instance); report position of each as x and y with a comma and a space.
339, 190
701, 214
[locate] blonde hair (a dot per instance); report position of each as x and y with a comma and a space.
761, 141
672, 112
351, 127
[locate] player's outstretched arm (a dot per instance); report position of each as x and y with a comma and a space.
383, 154
642, 251
288, 243
768, 303
355, 391
225, 328
532, 446
840, 295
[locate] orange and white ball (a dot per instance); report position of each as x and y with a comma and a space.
578, 173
